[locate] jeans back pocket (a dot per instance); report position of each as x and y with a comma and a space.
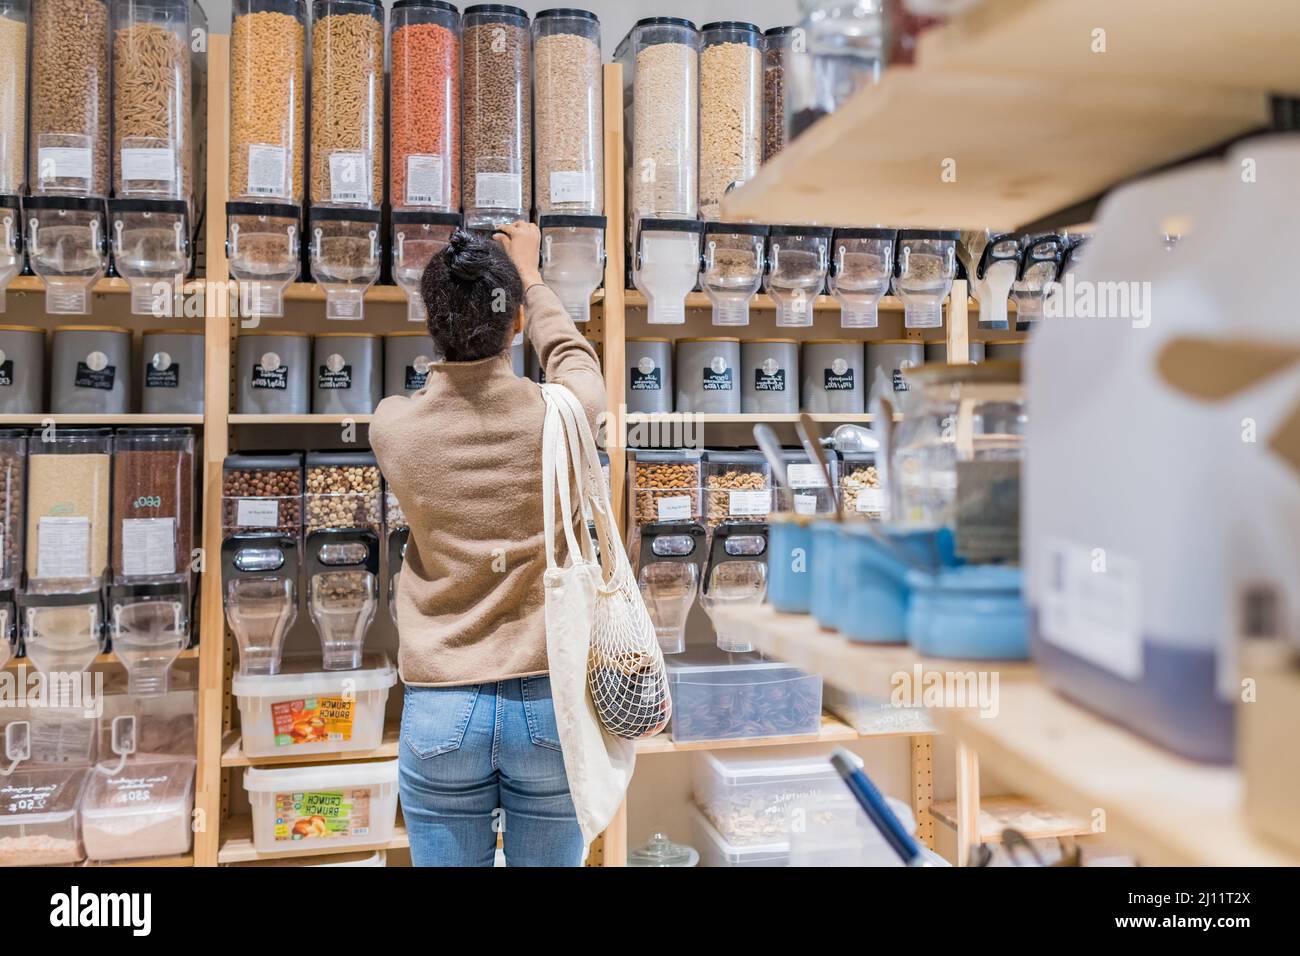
434, 718
540, 711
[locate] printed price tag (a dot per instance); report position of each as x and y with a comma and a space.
148, 546
498, 190
268, 171
148, 164
570, 187
749, 502
805, 504
349, 177
63, 547
257, 512
804, 474
423, 180
674, 508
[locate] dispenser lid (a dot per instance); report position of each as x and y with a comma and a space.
346, 459
497, 8
178, 207
47, 796
567, 12
65, 202
9, 201
435, 4
948, 234
414, 217
730, 25
293, 779
264, 462
866, 232
662, 455
734, 456
779, 31
302, 676
271, 210
578, 222
670, 225
664, 22
713, 228
344, 214
812, 232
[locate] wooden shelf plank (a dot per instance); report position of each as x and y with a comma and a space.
710, 418
86, 419
1031, 818
153, 861
232, 753
298, 419
1166, 810
833, 730
237, 844
103, 660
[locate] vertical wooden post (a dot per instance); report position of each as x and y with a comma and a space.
216, 407
923, 786
959, 324
968, 803
615, 320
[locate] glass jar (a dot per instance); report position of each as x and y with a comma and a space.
268, 85
797, 260
731, 110
568, 113
68, 510
418, 236
845, 45
424, 126
861, 267
732, 268
573, 260
496, 116
153, 504
666, 266
14, 18
992, 262
345, 257
1040, 264
67, 248
923, 274
262, 249
957, 454
347, 103
778, 43
660, 57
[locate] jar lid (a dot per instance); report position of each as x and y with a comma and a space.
671, 455
779, 31
433, 4
951, 235
497, 8
283, 333
349, 335
714, 228
646, 339
869, 232
21, 328
346, 459
661, 851
709, 338
198, 332
404, 335
740, 25
664, 22
567, 13
264, 462
833, 342
575, 221
735, 456
271, 210
91, 328
769, 341
813, 232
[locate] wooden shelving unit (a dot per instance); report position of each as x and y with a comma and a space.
135, 419
103, 660
1035, 820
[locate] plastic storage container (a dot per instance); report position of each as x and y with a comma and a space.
171, 372
861, 492
769, 370
650, 375
832, 376
992, 262
791, 568
11, 229
894, 360
346, 257
721, 696
707, 375
347, 103
670, 565
143, 810
90, 370
22, 369
735, 577
717, 852
13, 494
925, 266
739, 485
496, 116
149, 625
38, 817
666, 266
68, 495
797, 261
408, 356
749, 799
665, 485
660, 57
342, 490
777, 43
869, 715
262, 493
263, 247
14, 18
731, 110
845, 49
348, 375
976, 612
418, 236
731, 268
166, 724
861, 268
260, 594
573, 259
67, 247
327, 807
568, 115
274, 370
1040, 264
153, 504
424, 126
61, 633
303, 710
811, 491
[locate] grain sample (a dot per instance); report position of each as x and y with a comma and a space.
267, 106
568, 117
347, 108
425, 100
149, 488
13, 103
67, 515
731, 108
69, 97
664, 137
151, 107
496, 119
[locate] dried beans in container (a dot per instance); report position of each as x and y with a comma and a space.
14, 16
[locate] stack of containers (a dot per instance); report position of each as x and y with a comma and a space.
68, 150
347, 151
91, 370
273, 373
496, 116
424, 138
13, 136
268, 90
151, 214
347, 373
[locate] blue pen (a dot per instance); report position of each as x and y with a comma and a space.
877, 810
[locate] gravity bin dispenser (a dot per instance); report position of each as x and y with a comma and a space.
259, 590
62, 633
573, 260
345, 257
735, 576
418, 236
671, 565
731, 269
67, 248
149, 625
666, 266
11, 243
342, 591
262, 247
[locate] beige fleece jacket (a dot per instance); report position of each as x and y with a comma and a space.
464, 457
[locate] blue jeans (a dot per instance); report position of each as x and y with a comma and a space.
481, 759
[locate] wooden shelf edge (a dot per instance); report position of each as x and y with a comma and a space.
744, 418
242, 419
998, 813
105, 660
147, 862
237, 844
232, 753
72, 418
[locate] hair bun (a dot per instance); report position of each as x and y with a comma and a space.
468, 255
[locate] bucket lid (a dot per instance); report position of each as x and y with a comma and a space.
303, 677
326, 776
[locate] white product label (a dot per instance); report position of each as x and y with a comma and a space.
805, 504
63, 548
148, 164
257, 512
268, 170
674, 508
65, 162
61, 736
573, 186
871, 500
148, 546
423, 180
1092, 606
349, 177
749, 502
805, 475
498, 190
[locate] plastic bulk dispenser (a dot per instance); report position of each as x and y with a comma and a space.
735, 576
418, 236
262, 246
13, 485
345, 257
14, 17
1040, 264
573, 259
666, 266
670, 569
732, 268
61, 633
797, 262
11, 242
259, 576
150, 626
861, 267
925, 265
67, 248
992, 262
38, 805
150, 217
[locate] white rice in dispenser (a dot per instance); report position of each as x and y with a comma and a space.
171, 376
22, 369
347, 373
832, 376
90, 370
274, 370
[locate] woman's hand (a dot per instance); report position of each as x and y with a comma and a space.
523, 242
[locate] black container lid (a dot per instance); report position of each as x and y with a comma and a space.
503, 9
731, 25
177, 206
565, 219
346, 459
157, 589
276, 210
9, 201
905, 234
735, 456
779, 31
664, 22
78, 203
712, 228
816, 232
426, 4
672, 455
652, 224
431, 218
342, 214
267, 462
13, 432
62, 599
567, 12
866, 232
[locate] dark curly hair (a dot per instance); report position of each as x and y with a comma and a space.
472, 293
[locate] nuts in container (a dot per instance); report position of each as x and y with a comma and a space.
665, 485
262, 493
861, 493
739, 485
342, 490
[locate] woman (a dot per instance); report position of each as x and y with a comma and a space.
479, 749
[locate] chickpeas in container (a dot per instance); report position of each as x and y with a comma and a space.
424, 127
731, 110
568, 112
